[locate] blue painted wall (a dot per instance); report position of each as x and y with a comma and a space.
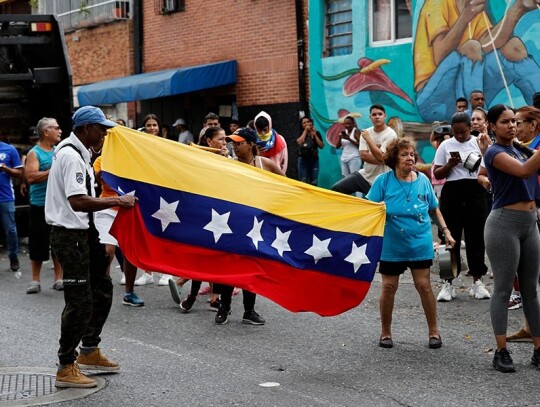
329, 75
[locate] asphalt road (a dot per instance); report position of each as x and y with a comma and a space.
172, 359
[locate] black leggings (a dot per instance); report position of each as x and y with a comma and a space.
464, 207
226, 292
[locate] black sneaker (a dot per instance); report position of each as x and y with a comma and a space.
535, 360
502, 361
214, 305
14, 263
222, 316
187, 304
251, 317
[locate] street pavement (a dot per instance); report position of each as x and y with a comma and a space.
174, 359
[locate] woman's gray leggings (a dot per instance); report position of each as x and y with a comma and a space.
513, 246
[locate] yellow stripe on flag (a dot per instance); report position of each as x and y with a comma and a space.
142, 157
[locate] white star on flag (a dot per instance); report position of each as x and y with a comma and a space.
255, 233
218, 225
166, 213
358, 256
126, 193
281, 243
319, 249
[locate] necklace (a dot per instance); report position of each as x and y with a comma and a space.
407, 194
94, 151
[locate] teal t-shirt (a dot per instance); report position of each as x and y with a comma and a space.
407, 232
37, 191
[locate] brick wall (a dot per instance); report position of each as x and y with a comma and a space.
101, 53
259, 34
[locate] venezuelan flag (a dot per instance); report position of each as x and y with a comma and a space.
209, 218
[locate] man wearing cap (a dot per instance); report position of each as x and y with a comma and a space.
69, 205
184, 135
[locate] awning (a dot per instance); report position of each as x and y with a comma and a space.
158, 84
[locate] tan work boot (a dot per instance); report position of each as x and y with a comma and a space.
71, 376
97, 361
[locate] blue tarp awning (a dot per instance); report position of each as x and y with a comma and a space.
158, 84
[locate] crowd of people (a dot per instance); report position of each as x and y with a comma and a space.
483, 185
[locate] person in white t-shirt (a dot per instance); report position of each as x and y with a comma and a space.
348, 142
463, 200
371, 149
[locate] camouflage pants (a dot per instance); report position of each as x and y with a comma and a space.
87, 289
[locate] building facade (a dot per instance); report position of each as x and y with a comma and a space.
396, 53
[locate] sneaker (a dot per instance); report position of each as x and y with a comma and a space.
479, 291
251, 317
58, 285
520, 336
535, 360
133, 300
71, 376
214, 305
175, 290
96, 361
205, 290
123, 279
33, 288
145, 279
502, 361
187, 304
447, 293
515, 301
14, 263
222, 316
164, 280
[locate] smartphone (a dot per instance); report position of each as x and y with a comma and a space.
455, 154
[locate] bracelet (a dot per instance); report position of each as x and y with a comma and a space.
445, 229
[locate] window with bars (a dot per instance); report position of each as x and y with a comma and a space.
390, 21
169, 6
338, 38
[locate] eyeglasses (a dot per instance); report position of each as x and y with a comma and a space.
518, 122
54, 127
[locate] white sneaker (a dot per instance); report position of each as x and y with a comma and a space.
472, 290
447, 293
481, 293
145, 279
164, 280
123, 279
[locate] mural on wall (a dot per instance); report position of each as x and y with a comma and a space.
457, 46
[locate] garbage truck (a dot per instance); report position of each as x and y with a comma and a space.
35, 82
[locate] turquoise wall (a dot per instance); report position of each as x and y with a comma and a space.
391, 84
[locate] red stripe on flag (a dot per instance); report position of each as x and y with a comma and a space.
294, 289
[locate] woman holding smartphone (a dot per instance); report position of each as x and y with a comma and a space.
463, 202
349, 142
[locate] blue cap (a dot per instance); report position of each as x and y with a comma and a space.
91, 115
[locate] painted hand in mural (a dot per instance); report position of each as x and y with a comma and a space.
471, 9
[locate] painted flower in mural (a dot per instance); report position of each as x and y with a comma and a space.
368, 77
333, 134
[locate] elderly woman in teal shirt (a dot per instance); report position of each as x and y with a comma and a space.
408, 241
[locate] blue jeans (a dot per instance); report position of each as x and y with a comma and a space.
308, 170
7, 216
456, 76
